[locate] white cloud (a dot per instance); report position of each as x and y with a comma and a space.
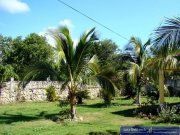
14, 6
50, 40
67, 23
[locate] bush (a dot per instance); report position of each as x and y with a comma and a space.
107, 97
63, 116
51, 94
168, 114
80, 95
63, 103
147, 111
129, 91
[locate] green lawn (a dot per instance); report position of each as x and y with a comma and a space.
27, 119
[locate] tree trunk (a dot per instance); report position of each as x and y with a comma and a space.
138, 100
73, 106
161, 86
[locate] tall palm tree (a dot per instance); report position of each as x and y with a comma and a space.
166, 41
72, 63
136, 68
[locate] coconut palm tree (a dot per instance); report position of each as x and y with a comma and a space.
136, 68
71, 64
166, 40
159, 67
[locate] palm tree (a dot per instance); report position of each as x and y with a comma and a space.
160, 66
136, 68
108, 77
167, 42
71, 65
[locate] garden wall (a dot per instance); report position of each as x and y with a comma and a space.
35, 91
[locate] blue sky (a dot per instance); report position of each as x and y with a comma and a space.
127, 17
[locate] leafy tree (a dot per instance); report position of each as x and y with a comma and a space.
6, 72
4, 43
72, 62
22, 53
107, 52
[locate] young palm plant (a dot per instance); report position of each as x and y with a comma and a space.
136, 68
106, 76
70, 64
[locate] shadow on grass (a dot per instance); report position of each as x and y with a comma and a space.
108, 132
11, 118
97, 105
125, 113
102, 105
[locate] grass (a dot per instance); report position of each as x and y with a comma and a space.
35, 118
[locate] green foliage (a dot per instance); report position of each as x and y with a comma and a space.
107, 97
152, 93
63, 116
147, 111
107, 53
166, 37
6, 72
63, 103
168, 114
23, 53
51, 94
82, 94
136, 67
128, 88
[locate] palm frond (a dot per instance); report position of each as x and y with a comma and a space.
106, 77
140, 50
138, 46
134, 72
93, 65
41, 69
64, 85
80, 58
168, 35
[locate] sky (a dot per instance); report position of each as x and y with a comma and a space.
137, 18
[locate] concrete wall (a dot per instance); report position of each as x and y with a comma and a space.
35, 91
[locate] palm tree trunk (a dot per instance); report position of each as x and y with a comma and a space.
161, 86
138, 100
73, 106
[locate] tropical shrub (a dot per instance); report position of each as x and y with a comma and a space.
63, 116
147, 111
128, 91
80, 95
63, 103
168, 114
107, 97
51, 94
